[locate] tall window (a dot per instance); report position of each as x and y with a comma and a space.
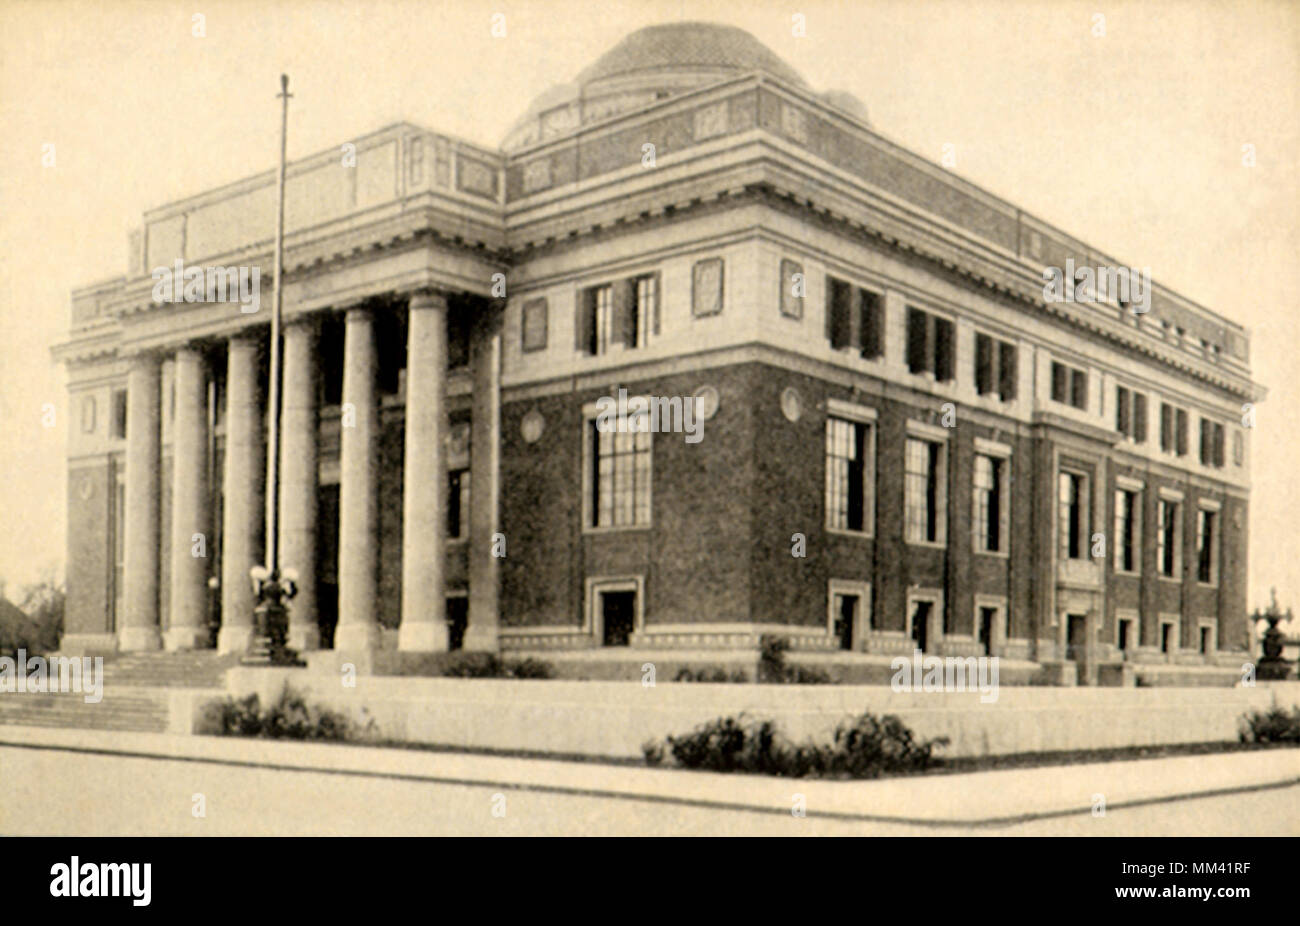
849, 475
854, 318
995, 367
458, 504
1207, 547
1173, 429
602, 301
930, 342
1128, 537
990, 501
1131, 414
1069, 386
644, 308
1072, 495
620, 474
623, 313
1167, 538
1211, 443
924, 496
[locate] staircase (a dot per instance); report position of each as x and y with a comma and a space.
134, 695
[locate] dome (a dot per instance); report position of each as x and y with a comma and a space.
648, 65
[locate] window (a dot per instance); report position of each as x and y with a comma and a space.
1069, 386
1168, 636
1207, 547
991, 503
1208, 638
1167, 538
1180, 432
849, 612
1124, 636
620, 473
118, 424
1131, 414
624, 314
457, 504
792, 289
854, 319
1211, 443
930, 344
849, 475
1173, 429
1072, 496
924, 501
534, 325
706, 287
1128, 530
995, 367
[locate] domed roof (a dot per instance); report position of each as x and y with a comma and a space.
650, 64
689, 45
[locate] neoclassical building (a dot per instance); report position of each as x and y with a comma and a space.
902, 442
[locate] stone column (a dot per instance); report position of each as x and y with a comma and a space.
485, 485
358, 626
242, 497
139, 630
191, 521
424, 492
299, 474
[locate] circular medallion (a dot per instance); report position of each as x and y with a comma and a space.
791, 404
706, 402
532, 426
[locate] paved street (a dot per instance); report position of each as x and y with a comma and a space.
53, 791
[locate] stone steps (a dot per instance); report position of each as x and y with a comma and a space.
138, 711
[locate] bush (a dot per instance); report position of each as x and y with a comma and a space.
461, 664
774, 670
712, 674
863, 747
291, 717
1272, 726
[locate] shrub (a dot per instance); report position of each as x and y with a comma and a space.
1272, 726
774, 670
713, 674
291, 717
862, 747
461, 664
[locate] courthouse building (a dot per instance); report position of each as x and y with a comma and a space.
903, 443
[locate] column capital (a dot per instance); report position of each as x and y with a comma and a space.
427, 299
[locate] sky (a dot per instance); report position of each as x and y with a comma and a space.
1126, 132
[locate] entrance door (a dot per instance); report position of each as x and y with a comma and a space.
618, 614
920, 620
846, 613
457, 621
1076, 636
987, 616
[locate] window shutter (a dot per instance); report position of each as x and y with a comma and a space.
1166, 427
983, 364
622, 316
1122, 420
1140, 417
916, 352
944, 336
1180, 431
1059, 387
870, 314
1079, 389
584, 322
658, 286
1007, 371
1218, 445
1207, 451
839, 297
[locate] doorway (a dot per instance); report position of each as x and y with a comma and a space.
1076, 636
846, 615
618, 617
987, 617
920, 622
457, 621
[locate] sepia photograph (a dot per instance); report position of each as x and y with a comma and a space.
572, 418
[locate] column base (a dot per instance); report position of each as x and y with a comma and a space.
480, 640
139, 640
357, 638
303, 639
423, 637
185, 638
233, 639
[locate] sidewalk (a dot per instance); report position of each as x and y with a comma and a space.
947, 800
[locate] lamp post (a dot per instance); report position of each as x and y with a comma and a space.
1272, 665
273, 588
